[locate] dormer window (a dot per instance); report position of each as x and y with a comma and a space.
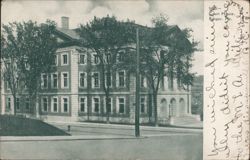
108, 58
96, 59
120, 57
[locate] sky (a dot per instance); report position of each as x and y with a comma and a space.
184, 13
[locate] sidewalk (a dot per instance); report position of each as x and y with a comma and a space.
184, 129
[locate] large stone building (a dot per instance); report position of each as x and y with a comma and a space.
74, 91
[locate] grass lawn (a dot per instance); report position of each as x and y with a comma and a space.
20, 126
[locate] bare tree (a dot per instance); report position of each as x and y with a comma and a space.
30, 48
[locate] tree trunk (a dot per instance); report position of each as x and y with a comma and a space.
155, 108
107, 111
14, 97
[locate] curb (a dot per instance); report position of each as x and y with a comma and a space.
62, 138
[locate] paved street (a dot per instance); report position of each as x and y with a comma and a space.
156, 143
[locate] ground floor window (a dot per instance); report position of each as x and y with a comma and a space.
65, 103
54, 104
143, 105
96, 104
18, 103
27, 103
45, 104
108, 104
8, 105
83, 106
121, 105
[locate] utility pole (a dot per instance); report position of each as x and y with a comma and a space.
137, 96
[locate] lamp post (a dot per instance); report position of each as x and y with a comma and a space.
137, 96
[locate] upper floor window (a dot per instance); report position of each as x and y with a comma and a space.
65, 59
121, 105
143, 82
54, 80
54, 104
55, 62
83, 104
108, 79
26, 64
65, 80
65, 104
121, 79
45, 104
44, 81
7, 85
96, 105
96, 80
82, 59
82, 79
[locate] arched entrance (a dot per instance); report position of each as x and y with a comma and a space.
163, 108
173, 108
182, 108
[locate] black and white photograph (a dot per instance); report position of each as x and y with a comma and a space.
103, 80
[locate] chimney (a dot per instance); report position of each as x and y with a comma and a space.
65, 22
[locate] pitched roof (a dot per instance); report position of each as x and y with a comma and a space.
73, 35
70, 33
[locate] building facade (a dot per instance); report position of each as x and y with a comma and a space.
197, 96
74, 91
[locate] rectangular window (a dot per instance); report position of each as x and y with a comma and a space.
65, 103
65, 80
121, 104
96, 59
96, 105
27, 103
54, 105
121, 79
143, 105
65, 59
18, 103
82, 79
82, 59
108, 79
108, 104
54, 80
83, 106
45, 104
44, 81
8, 107
96, 80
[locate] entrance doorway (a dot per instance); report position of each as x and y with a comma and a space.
173, 108
182, 109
